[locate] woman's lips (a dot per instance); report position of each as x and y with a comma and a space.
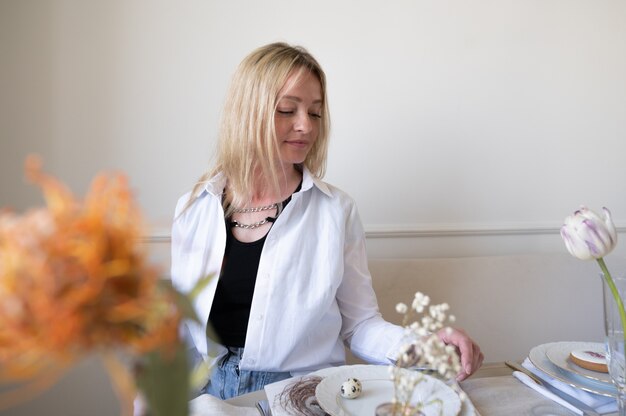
298, 143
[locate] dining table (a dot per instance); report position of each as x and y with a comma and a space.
492, 390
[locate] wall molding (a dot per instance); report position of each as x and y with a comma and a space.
456, 230
430, 230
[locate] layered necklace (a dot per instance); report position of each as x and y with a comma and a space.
278, 206
257, 224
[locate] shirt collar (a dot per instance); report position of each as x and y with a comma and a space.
215, 186
308, 181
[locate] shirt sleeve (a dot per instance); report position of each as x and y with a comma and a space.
368, 335
176, 246
177, 238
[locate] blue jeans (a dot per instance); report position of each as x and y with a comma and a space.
227, 380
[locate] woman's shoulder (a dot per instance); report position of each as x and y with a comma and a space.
331, 192
333, 198
338, 194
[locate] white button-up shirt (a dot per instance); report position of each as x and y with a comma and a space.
313, 291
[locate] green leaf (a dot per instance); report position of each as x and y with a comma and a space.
184, 302
200, 375
199, 286
164, 381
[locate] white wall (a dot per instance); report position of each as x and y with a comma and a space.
461, 128
458, 126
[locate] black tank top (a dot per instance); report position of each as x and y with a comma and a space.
233, 298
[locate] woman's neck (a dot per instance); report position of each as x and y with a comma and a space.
288, 182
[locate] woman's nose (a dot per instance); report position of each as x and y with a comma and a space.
303, 122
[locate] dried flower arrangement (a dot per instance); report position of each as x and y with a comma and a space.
422, 350
74, 280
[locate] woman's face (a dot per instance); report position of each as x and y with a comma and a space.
297, 117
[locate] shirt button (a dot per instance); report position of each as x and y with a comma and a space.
251, 361
259, 317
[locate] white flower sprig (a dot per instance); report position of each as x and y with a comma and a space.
422, 350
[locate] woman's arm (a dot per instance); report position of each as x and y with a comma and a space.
369, 336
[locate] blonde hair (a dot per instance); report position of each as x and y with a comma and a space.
247, 142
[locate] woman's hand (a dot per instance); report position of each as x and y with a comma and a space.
469, 351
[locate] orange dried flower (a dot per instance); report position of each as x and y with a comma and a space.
73, 279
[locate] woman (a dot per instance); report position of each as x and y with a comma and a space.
293, 285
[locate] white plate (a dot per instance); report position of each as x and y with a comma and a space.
378, 389
539, 359
559, 353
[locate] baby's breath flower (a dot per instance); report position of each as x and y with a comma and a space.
401, 308
420, 302
422, 349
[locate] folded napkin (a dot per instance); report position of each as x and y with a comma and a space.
601, 404
207, 405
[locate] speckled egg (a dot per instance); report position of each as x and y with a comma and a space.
351, 388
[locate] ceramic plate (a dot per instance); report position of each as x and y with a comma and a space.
540, 360
558, 354
378, 389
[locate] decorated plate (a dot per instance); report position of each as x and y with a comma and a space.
377, 388
558, 354
540, 360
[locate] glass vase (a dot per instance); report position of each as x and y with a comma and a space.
614, 293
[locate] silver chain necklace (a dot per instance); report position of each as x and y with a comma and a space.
257, 224
256, 209
252, 226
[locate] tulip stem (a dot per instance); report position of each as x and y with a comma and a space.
615, 292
